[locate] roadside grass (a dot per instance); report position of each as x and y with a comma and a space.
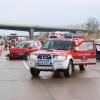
93, 36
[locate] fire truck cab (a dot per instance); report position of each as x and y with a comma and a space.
63, 55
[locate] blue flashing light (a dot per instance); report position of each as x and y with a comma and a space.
53, 36
73, 35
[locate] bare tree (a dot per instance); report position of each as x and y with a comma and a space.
92, 24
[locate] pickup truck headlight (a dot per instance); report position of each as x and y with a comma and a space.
60, 58
33, 57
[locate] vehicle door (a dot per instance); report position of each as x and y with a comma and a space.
85, 53
98, 51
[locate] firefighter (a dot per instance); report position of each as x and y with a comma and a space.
6, 45
10, 44
41, 41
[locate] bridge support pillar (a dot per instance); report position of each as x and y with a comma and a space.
31, 33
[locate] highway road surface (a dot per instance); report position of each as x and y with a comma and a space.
16, 83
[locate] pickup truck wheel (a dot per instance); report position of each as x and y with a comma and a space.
81, 67
68, 72
34, 72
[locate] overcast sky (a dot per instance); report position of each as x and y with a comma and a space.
48, 12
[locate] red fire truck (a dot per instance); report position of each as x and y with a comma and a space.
59, 54
13, 37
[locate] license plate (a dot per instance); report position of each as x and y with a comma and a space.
43, 62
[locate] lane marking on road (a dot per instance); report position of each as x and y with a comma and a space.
25, 65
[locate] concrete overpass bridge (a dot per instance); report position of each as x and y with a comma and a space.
31, 29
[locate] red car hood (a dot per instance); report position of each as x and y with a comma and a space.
18, 50
53, 52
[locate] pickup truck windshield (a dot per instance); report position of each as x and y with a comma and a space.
23, 45
58, 45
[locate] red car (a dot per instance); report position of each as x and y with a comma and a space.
23, 49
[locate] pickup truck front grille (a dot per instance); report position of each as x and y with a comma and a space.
44, 56
44, 60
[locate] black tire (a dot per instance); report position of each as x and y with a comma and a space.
10, 58
7, 55
26, 57
34, 72
68, 72
82, 67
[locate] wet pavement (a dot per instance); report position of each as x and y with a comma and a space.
16, 83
